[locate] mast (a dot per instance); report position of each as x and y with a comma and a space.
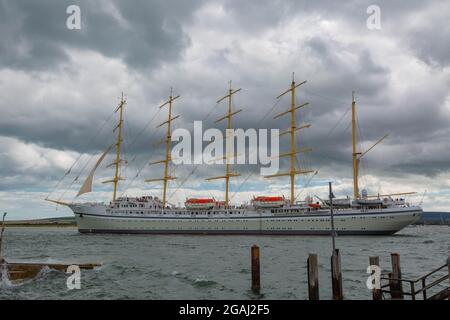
228, 173
168, 141
355, 154
118, 160
293, 170
292, 156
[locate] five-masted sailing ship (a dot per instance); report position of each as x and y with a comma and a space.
361, 215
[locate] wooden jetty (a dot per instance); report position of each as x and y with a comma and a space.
434, 285
22, 271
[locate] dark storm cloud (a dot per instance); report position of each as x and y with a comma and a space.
151, 39
33, 34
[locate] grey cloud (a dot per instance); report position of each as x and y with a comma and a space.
155, 35
145, 33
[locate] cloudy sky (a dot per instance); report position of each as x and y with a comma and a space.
60, 86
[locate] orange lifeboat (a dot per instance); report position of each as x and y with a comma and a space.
268, 202
314, 205
199, 203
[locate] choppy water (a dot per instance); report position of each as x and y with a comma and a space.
210, 267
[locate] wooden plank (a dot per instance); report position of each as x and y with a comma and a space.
256, 284
22, 275
336, 275
18, 271
57, 266
313, 277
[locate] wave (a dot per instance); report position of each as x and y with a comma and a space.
6, 283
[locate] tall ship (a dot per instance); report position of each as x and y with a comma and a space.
361, 214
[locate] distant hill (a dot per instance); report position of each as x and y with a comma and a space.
435, 217
61, 221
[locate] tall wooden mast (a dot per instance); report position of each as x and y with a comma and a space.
358, 155
355, 154
118, 160
293, 170
168, 141
228, 116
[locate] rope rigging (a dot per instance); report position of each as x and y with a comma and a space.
197, 165
78, 159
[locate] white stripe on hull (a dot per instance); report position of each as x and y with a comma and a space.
386, 221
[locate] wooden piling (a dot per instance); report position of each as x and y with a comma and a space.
2, 230
313, 277
2, 267
256, 285
448, 266
336, 275
376, 292
395, 285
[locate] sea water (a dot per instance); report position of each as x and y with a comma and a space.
210, 267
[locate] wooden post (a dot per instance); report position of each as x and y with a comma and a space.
336, 275
1, 233
333, 233
256, 285
395, 285
376, 292
448, 266
313, 277
2, 268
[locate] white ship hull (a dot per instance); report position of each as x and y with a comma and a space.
98, 218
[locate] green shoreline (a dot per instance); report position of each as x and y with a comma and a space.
46, 222
27, 225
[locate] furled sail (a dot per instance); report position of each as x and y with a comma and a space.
87, 185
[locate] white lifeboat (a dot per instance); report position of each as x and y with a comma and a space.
268, 202
199, 203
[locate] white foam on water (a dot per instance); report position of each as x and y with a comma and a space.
6, 283
4, 278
